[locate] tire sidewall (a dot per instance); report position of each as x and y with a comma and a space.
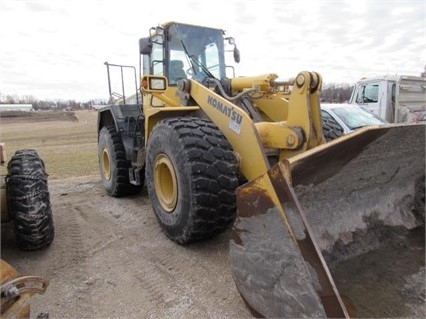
162, 141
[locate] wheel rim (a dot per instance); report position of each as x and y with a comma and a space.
165, 183
106, 167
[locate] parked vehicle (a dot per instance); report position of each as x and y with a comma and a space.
341, 119
397, 99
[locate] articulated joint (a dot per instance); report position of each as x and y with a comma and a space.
23, 285
183, 91
310, 80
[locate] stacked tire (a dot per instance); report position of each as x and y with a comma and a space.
331, 130
29, 200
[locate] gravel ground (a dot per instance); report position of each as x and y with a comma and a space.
110, 259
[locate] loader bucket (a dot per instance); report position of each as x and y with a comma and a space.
337, 231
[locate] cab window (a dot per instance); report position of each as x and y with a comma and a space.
157, 58
369, 94
212, 60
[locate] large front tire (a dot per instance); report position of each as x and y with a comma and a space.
191, 177
113, 165
29, 200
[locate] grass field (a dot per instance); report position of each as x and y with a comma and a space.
67, 146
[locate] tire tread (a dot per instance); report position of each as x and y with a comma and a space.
29, 200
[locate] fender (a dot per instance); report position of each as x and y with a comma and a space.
129, 122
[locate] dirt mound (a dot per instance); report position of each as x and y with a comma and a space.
38, 116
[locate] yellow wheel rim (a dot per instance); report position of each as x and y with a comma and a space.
165, 183
106, 167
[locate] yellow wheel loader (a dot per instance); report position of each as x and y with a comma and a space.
216, 151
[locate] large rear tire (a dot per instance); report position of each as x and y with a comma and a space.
191, 177
113, 165
29, 200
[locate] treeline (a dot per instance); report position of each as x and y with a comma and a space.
331, 93
51, 104
336, 93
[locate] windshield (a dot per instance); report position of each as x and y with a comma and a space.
199, 49
356, 117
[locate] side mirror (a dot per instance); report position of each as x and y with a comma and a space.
231, 40
145, 46
237, 57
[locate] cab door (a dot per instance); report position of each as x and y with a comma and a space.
371, 96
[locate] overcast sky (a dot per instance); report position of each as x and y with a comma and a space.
56, 49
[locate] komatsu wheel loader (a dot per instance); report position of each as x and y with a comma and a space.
216, 150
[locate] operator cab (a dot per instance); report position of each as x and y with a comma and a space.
181, 51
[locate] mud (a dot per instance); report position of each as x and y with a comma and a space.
270, 272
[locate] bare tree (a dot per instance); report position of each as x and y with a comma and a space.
336, 93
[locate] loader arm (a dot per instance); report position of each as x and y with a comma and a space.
301, 131
236, 125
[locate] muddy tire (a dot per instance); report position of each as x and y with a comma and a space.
191, 177
29, 200
113, 165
